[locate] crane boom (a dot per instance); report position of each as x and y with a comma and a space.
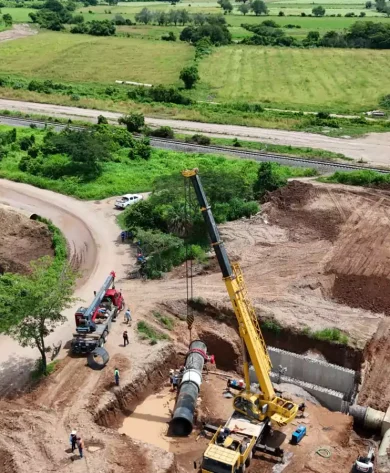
266, 404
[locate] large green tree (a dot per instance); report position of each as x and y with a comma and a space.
190, 76
267, 180
258, 7
31, 306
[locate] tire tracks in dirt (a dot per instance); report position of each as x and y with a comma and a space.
92, 237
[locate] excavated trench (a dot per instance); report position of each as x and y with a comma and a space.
283, 338
144, 383
142, 409
330, 372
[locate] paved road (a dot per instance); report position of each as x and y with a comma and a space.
90, 230
373, 148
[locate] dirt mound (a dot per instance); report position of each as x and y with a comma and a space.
289, 208
295, 193
22, 241
375, 390
369, 293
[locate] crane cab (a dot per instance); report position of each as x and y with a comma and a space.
279, 410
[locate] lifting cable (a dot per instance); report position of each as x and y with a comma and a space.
189, 285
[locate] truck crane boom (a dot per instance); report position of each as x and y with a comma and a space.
258, 406
88, 316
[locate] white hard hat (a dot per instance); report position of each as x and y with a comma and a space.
74, 432
170, 371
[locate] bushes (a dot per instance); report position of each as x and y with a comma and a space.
133, 122
95, 28
158, 93
161, 93
385, 101
268, 180
141, 149
162, 132
199, 139
190, 76
169, 37
365, 34
360, 178
59, 241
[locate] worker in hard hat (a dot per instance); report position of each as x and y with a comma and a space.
116, 376
72, 440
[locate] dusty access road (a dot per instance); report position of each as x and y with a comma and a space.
374, 148
93, 239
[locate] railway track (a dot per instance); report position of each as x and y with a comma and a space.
176, 145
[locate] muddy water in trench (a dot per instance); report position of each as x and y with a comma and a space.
149, 421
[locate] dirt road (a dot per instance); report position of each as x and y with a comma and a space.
93, 238
19, 30
373, 148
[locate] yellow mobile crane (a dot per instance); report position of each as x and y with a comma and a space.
231, 447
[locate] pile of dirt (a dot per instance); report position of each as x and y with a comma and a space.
369, 293
375, 391
287, 207
22, 241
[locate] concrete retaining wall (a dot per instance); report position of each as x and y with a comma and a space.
309, 370
333, 400
330, 384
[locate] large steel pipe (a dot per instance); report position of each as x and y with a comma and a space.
183, 414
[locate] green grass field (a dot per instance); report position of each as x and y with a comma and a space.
341, 79
19, 15
61, 56
128, 10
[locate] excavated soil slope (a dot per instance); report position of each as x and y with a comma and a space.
375, 391
22, 240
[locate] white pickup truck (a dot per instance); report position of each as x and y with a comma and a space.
128, 199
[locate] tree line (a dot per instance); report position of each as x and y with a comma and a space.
367, 34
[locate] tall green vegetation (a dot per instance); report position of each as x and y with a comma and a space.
78, 153
31, 306
268, 180
362, 34
360, 178
166, 222
132, 165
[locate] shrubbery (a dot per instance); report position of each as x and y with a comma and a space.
78, 153
95, 28
367, 34
162, 132
163, 222
199, 139
361, 178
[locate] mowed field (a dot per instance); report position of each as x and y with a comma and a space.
339, 79
62, 56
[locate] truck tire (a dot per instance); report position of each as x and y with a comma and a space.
242, 469
249, 459
115, 315
122, 305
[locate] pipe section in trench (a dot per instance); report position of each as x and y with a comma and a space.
375, 420
183, 414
